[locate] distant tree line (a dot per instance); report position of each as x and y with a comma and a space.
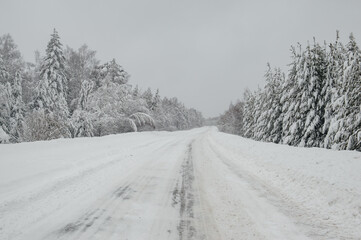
318, 103
68, 93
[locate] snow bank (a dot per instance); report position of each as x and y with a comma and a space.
321, 188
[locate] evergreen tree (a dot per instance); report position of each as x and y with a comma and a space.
11, 60
260, 116
248, 117
51, 91
3, 73
335, 60
348, 119
5, 105
273, 107
293, 117
16, 110
313, 101
232, 120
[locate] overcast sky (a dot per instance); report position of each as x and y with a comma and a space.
204, 52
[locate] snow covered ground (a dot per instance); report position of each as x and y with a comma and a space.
198, 184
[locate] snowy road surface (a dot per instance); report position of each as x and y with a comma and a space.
198, 184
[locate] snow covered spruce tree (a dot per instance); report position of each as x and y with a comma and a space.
260, 115
317, 105
11, 60
347, 124
293, 117
273, 107
312, 100
12, 107
248, 114
50, 115
5, 105
332, 91
17, 111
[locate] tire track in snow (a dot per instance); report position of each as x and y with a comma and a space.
115, 214
184, 196
310, 222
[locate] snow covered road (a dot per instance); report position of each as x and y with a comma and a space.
198, 184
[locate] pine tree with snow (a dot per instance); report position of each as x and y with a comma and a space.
332, 91
51, 91
232, 120
5, 105
293, 117
11, 60
348, 119
313, 101
3, 73
17, 110
260, 115
249, 120
273, 107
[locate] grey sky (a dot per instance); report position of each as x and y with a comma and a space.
203, 52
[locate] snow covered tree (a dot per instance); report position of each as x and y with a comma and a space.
156, 101
293, 118
68, 94
5, 105
11, 60
335, 60
51, 92
16, 110
148, 97
81, 119
313, 102
3, 73
347, 124
106, 107
272, 106
260, 116
112, 105
232, 120
226, 120
249, 120
135, 92
79, 66
110, 72
317, 105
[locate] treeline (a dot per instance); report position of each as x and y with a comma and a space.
317, 104
68, 93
